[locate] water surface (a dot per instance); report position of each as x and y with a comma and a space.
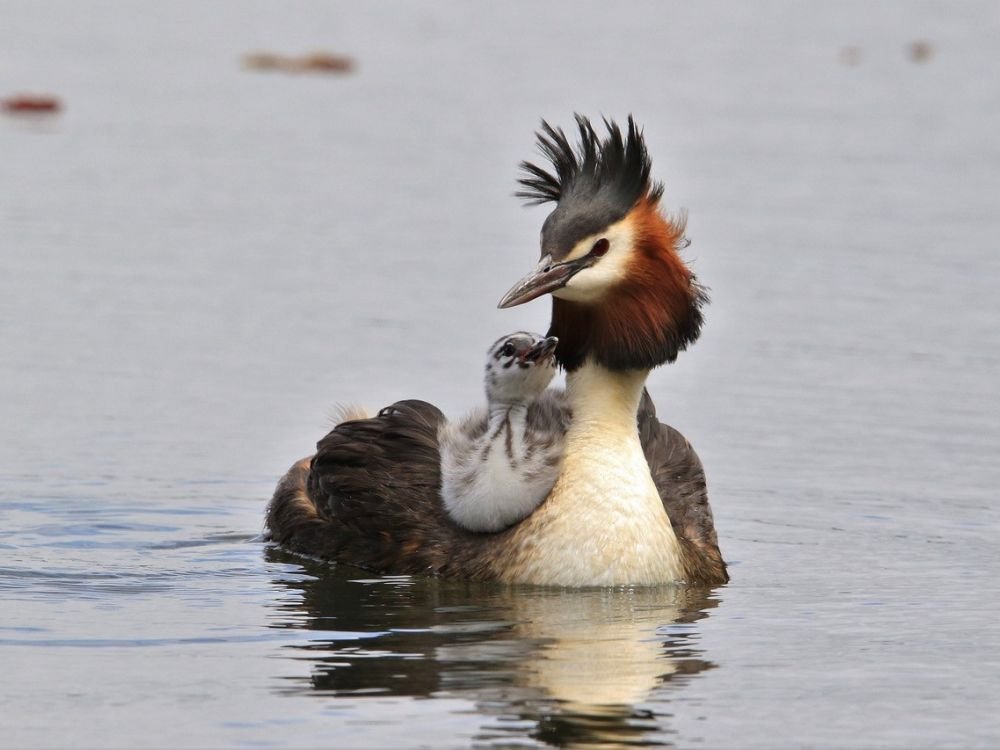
201, 262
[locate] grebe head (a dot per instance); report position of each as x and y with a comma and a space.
519, 366
622, 296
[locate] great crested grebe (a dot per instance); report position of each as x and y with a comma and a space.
500, 462
629, 505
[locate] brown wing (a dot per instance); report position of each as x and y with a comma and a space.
680, 479
371, 497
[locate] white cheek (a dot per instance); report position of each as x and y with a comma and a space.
590, 284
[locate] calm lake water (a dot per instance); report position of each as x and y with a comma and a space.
200, 262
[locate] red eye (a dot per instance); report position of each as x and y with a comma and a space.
600, 247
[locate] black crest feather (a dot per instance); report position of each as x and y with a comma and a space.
615, 168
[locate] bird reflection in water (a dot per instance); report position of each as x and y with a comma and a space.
581, 667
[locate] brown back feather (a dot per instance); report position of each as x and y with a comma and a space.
371, 498
680, 479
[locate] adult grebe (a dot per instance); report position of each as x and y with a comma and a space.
629, 505
500, 462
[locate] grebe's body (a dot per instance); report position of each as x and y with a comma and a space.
629, 504
370, 498
500, 462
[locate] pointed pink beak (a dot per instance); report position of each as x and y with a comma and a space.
546, 278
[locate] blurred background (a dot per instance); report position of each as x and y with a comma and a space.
220, 220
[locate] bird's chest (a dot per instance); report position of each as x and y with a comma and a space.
602, 524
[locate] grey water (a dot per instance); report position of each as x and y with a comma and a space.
200, 262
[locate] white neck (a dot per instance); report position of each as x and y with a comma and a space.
602, 398
500, 412
604, 522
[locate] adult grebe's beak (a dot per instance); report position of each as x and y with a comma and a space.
547, 277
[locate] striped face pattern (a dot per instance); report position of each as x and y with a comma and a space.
519, 366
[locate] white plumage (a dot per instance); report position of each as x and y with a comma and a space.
501, 461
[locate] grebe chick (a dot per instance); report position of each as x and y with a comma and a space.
500, 462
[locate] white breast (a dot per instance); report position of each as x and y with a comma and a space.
603, 523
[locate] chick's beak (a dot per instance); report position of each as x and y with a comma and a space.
547, 277
541, 350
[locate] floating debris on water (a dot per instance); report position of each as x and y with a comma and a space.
920, 51
850, 55
314, 62
263, 61
31, 104
324, 62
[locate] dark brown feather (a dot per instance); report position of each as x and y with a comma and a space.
680, 479
370, 497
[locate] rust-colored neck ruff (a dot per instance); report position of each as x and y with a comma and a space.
647, 318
